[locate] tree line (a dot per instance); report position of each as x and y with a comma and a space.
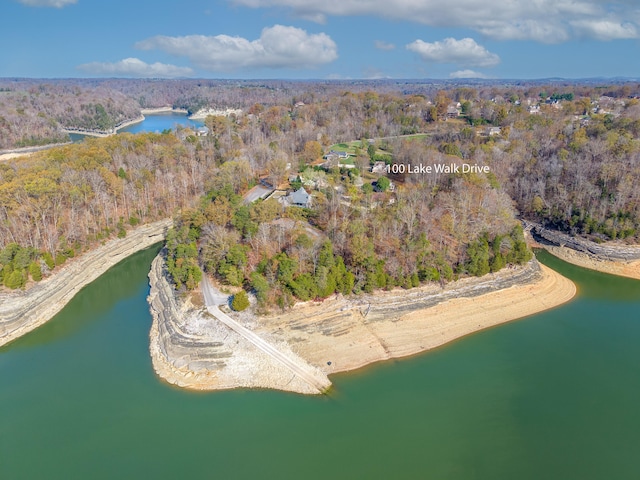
573, 166
60, 202
346, 243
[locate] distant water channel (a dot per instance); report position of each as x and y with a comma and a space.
553, 396
155, 123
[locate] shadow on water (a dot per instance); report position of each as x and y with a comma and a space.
119, 283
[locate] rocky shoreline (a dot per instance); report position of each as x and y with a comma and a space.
616, 259
23, 311
105, 133
160, 110
191, 349
205, 112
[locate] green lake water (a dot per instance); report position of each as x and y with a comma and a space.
552, 396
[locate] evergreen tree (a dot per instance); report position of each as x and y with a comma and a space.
48, 260
35, 271
15, 280
260, 286
240, 301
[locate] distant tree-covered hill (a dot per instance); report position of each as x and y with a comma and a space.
38, 115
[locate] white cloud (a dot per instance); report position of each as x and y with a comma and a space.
134, 67
605, 29
467, 74
380, 45
551, 31
547, 21
48, 3
278, 47
464, 52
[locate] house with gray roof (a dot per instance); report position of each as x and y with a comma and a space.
299, 198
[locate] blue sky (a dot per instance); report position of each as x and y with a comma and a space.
320, 39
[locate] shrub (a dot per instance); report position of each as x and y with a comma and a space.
15, 280
60, 259
240, 301
48, 260
260, 285
383, 184
35, 271
5, 273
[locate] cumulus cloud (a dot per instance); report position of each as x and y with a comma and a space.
380, 45
547, 21
134, 67
48, 3
278, 47
464, 52
467, 74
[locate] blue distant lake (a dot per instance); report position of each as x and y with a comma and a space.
155, 123
158, 122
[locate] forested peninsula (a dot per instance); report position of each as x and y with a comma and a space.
310, 189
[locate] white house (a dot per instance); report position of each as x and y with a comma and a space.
202, 131
379, 167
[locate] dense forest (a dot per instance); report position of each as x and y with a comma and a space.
57, 203
283, 253
35, 112
565, 155
38, 114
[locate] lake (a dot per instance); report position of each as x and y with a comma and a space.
155, 123
552, 396
162, 121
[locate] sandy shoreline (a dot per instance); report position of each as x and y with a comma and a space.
15, 153
612, 257
8, 156
620, 268
26, 151
397, 335
192, 350
205, 112
159, 110
111, 132
23, 311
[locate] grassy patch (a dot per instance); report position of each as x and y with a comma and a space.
349, 147
416, 136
